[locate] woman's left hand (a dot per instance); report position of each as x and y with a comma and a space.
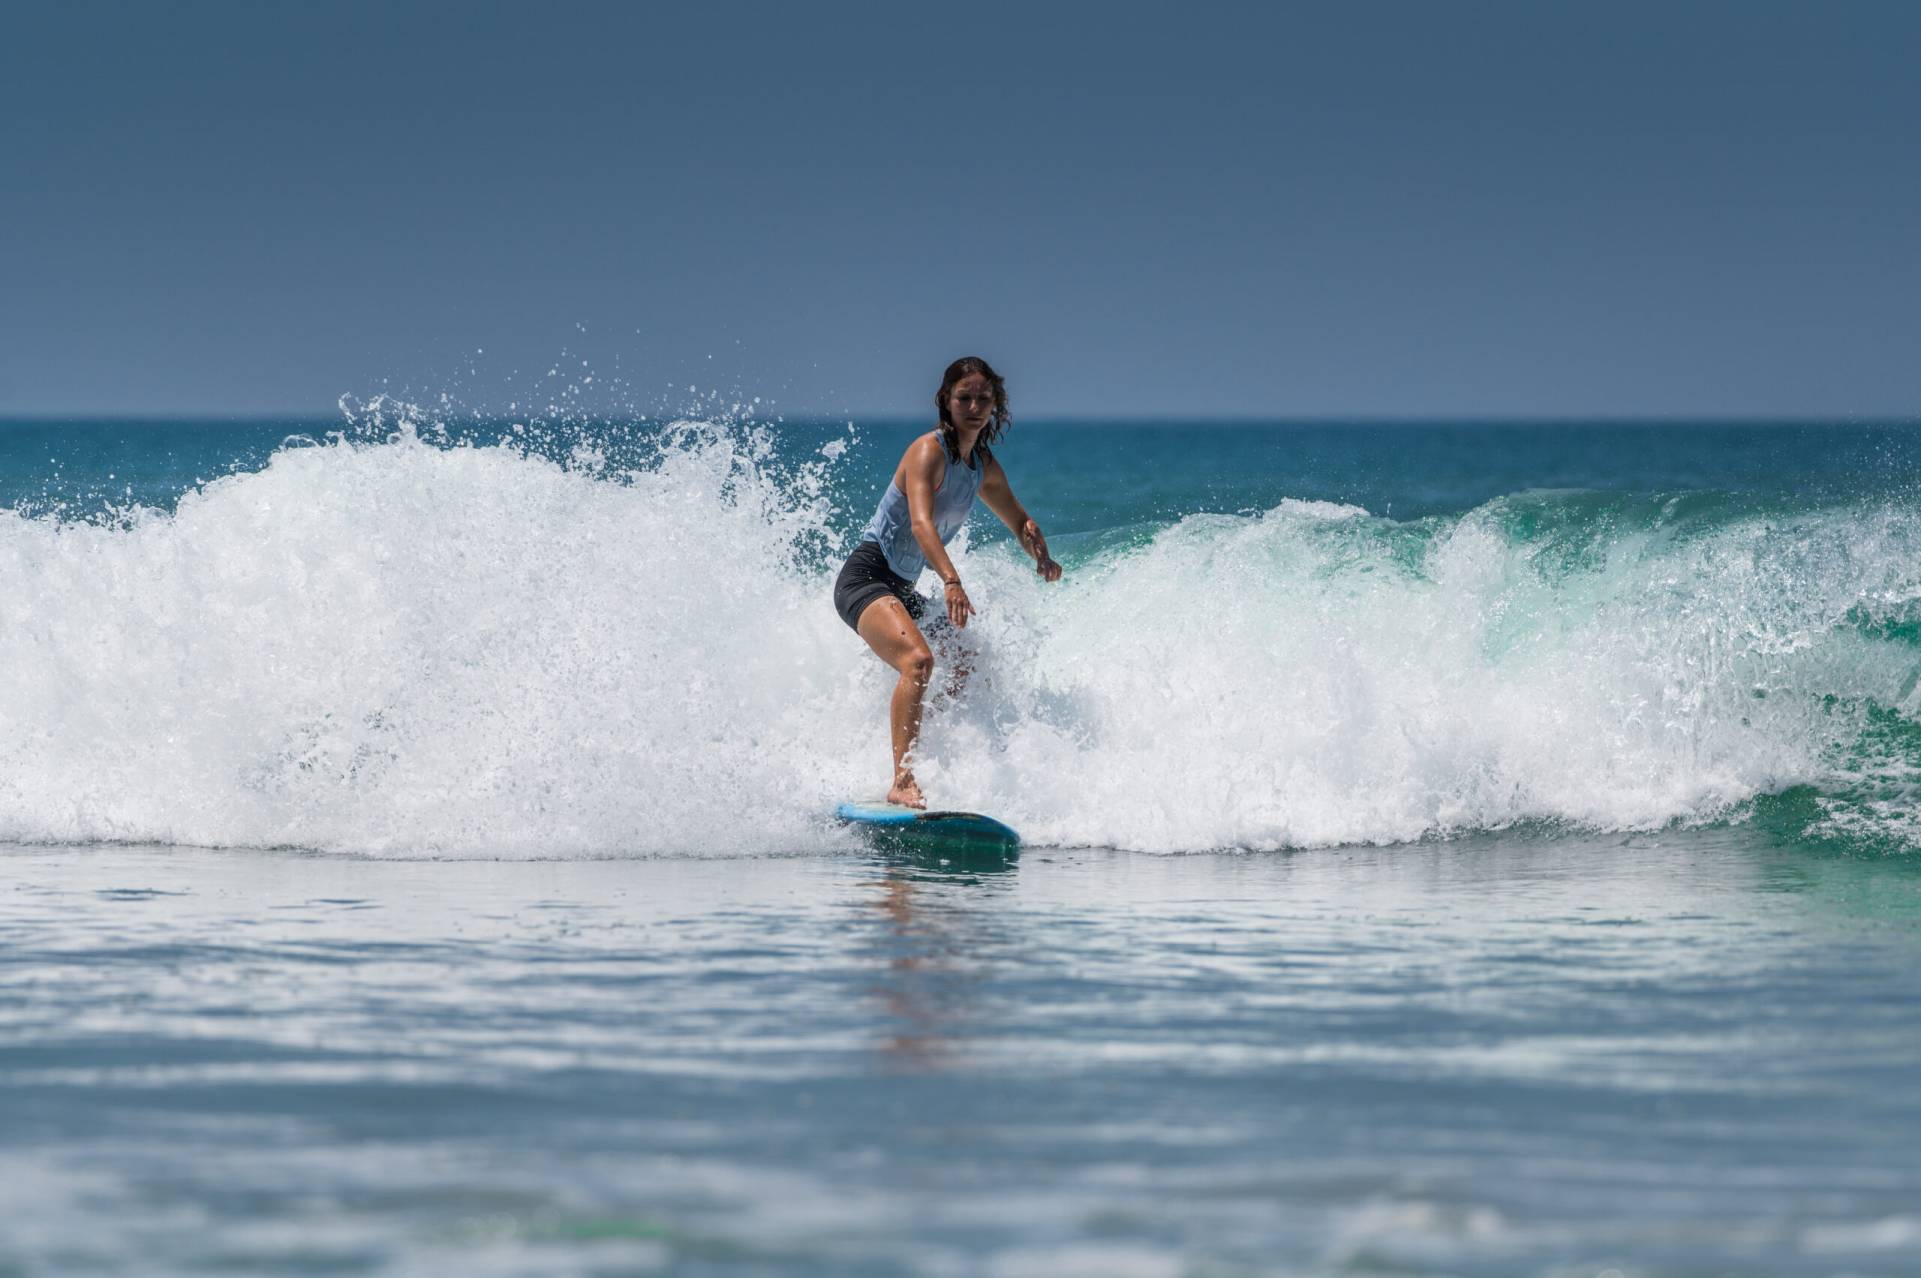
959, 606
1037, 547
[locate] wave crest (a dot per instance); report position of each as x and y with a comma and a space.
408, 648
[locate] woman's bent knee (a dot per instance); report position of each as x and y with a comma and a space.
918, 665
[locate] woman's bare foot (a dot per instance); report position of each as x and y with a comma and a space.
906, 792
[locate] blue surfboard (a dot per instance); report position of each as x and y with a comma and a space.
916, 823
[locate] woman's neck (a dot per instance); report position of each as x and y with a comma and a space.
964, 440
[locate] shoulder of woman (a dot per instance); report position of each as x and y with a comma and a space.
927, 450
924, 457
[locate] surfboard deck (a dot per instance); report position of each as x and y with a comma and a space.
917, 823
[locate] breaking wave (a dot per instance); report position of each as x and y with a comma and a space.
404, 647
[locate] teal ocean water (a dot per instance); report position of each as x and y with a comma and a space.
1452, 849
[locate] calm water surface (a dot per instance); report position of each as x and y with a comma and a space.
1656, 1055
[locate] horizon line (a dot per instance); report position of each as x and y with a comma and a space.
1064, 420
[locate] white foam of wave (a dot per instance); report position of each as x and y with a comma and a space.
1294, 680
409, 649
414, 649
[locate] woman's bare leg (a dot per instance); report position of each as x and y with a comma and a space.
894, 637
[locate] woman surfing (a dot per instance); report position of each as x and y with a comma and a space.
929, 498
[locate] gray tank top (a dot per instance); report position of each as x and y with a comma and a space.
893, 530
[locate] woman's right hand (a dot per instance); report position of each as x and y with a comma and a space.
959, 606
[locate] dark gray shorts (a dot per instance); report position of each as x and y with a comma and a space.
864, 578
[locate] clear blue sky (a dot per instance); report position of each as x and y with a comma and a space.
1276, 210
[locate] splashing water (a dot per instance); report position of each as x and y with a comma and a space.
410, 646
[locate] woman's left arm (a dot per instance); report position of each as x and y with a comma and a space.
1000, 499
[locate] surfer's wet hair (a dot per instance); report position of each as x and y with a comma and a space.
967, 366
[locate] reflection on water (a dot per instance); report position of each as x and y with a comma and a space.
1880, 896
932, 952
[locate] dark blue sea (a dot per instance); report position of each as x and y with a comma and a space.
1449, 849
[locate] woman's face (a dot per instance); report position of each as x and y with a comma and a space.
971, 402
